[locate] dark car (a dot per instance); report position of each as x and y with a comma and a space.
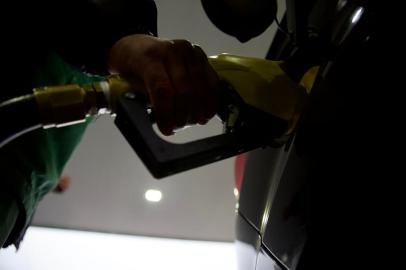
311, 203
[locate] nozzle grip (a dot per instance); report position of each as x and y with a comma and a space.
163, 158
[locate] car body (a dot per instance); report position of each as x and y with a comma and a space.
302, 205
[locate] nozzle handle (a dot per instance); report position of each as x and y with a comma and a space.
163, 158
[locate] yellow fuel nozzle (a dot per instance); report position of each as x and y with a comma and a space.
263, 85
259, 83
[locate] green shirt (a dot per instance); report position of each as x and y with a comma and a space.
32, 164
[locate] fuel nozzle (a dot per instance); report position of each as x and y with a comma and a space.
257, 92
260, 106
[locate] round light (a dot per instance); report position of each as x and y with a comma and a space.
153, 195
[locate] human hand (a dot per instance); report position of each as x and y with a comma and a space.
63, 184
174, 74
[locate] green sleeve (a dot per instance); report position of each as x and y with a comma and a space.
33, 163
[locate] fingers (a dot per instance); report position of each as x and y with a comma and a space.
198, 75
194, 82
63, 184
213, 92
161, 95
177, 68
207, 85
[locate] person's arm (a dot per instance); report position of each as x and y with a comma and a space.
80, 31
117, 36
174, 75
8, 216
90, 28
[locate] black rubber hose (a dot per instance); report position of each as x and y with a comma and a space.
17, 117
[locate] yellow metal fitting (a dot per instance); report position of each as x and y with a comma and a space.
117, 86
61, 105
68, 104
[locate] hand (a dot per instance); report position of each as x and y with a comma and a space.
63, 184
174, 74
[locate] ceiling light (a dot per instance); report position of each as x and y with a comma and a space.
153, 195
